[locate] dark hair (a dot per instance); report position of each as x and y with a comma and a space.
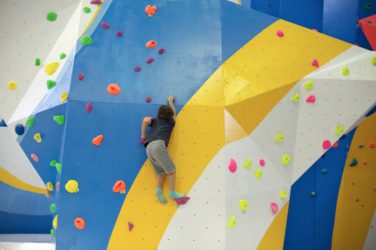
165, 112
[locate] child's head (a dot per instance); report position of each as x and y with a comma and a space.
165, 112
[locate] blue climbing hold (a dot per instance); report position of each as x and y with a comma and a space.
2, 123
20, 129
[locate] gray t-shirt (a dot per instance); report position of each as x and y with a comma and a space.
160, 130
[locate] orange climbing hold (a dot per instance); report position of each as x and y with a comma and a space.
150, 10
79, 223
113, 89
119, 187
151, 44
97, 141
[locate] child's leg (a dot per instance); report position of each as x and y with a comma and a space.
158, 192
171, 178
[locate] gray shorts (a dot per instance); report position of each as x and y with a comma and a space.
159, 157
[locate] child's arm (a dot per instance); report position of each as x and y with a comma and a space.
146, 122
171, 104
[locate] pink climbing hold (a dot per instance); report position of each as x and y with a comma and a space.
119, 33
89, 107
280, 33
96, 1
161, 51
311, 99
34, 157
105, 25
315, 63
262, 162
130, 226
232, 166
148, 99
149, 60
182, 200
137, 69
326, 144
274, 207
81, 76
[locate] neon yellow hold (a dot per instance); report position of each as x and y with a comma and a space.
38, 137
345, 71
279, 137
285, 159
50, 186
51, 68
258, 173
243, 204
247, 164
12, 85
340, 129
309, 85
63, 97
72, 186
295, 98
373, 60
232, 222
283, 193
54, 222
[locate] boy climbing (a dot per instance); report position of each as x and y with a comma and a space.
156, 147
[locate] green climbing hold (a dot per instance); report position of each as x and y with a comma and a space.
354, 162
373, 61
279, 137
86, 40
247, 164
53, 234
340, 129
51, 16
51, 84
59, 119
37, 62
367, 6
52, 208
58, 167
63, 55
30, 121
86, 10
309, 85
345, 71
324, 170
53, 163
313, 194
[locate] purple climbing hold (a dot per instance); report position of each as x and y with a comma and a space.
137, 69
161, 51
19, 129
81, 76
130, 226
149, 60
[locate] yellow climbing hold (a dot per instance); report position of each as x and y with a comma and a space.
285, 159
72, 186
51, 68
295, 98
12, 85
345, 71
258, 173
54, 222
64, 96
243, 204
38, 137
308, 85
247, 164
50, 186
283, 193
232, 222
340, 129
279, 137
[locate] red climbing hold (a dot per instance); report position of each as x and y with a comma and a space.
326, 144
148, 99
97, 141
364, 163
315, 63
81, 76
130, 226
150, 10
161, 51
368, 26
89, 107
280, 33
119, 187
149, 60
182, 200
105, 25
151, 44
113, 89
371, 145
311, 99
34, 157
119, 33
79, 223
335, 145
137, 69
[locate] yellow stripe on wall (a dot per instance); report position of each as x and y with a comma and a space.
13, 181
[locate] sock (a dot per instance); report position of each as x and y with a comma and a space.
174, 195
160, 196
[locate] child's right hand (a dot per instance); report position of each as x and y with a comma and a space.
171, 99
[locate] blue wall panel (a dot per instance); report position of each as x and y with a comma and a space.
270, 7
11, 223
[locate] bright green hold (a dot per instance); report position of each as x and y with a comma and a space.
309, 85
52, 208
58, 167
87, 10
340, 129
295, 98
232, 222
51, 84
37, 62
59, 119
279, 137
51, 16
243, 204
373, 61
53, 234
345, 71
247, 164
354, 162
53, 163
30, 121
62, 56
86, 40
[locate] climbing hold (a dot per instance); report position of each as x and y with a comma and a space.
119, 33
119, 187
130, 226
308, 85
364, 163
150, 10
340, 129
19, 129
34, 157
161, 51
232, 166
149, 60
285, 159
37, 62
53, 163
283, 194
324, 170
280, 33
137, 69
373, 61
315, 63
311, 99
89, 107
326, 144
243, 204
52, 208
314, 30
274, 207
232, 222
54, 222
50, 186
148, 99
12, 85
51, 84
96, 1
262, 162
57, 186
51, 68
51, 16
86, 40
59, 119
295, 98
2, 123
62, 56
181, 200
279, 137
113, 89
247, 164
361, 146
367, 6
345, 71
371, 145
58, 167
53, 233
86, 10
71, 186
105, 25
313, 194
30, 121
97, 141
79, 223
258, 173
335, 145
151, 44
63, 97
38, 137
354, 162
81, 76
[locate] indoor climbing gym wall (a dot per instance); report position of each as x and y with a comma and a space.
274, 141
